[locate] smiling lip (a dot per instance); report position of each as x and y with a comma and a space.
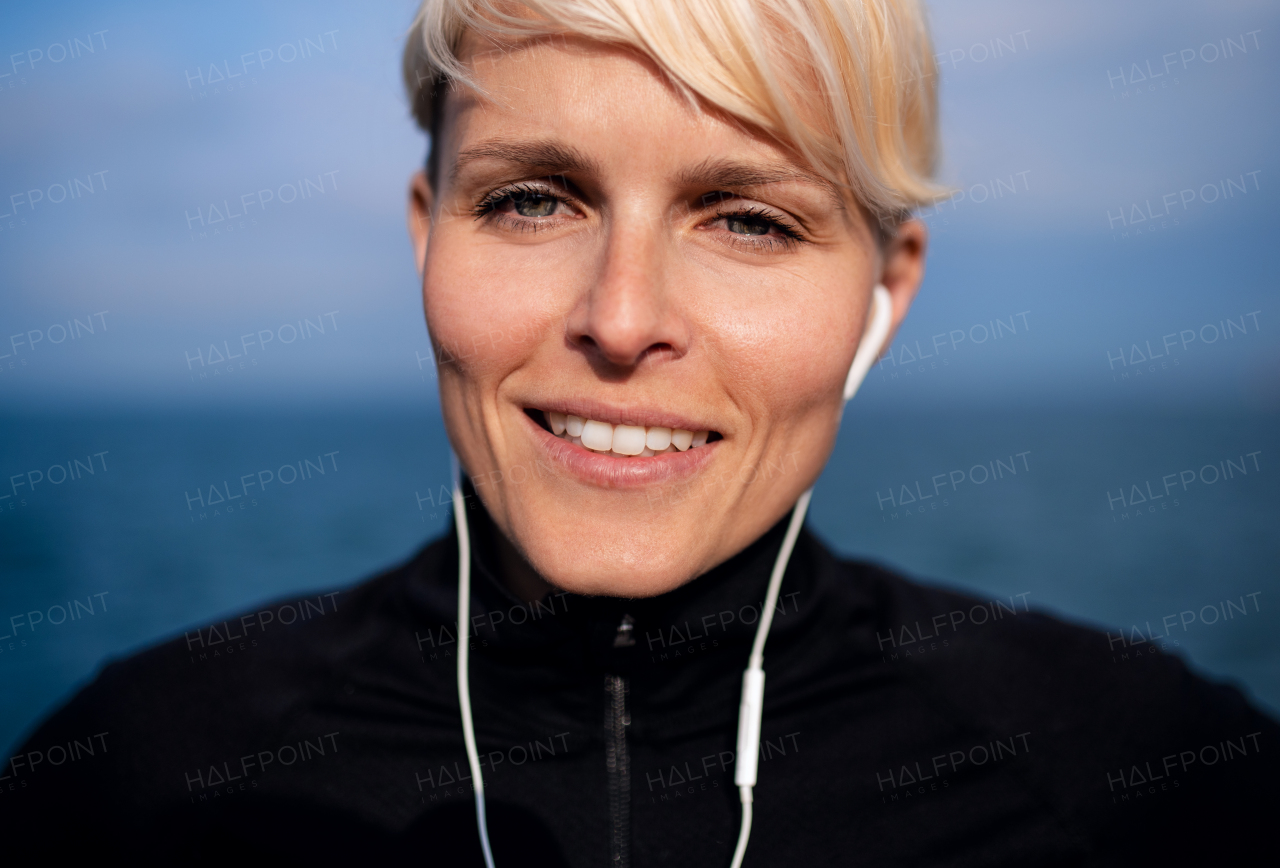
615, 415
608, 471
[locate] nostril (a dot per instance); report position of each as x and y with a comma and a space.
619, 355
657, 350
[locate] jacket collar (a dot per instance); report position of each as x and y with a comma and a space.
615, 634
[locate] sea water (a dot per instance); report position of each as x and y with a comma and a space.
165, 523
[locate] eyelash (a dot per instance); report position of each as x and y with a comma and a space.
790, 233
487, 208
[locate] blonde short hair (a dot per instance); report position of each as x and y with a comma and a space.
849, 85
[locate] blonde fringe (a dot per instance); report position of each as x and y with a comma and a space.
849, 85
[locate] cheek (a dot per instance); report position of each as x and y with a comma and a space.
789, 356
484, 321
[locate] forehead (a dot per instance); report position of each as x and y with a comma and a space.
574, 58
566, 82
606, 99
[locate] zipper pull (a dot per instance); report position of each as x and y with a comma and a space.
624, 639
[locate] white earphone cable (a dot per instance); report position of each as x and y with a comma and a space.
464, 649
751, 709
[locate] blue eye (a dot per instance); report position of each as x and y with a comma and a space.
746, 224
521, 200
533, 204
758, 226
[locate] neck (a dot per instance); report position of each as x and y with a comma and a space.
514, 571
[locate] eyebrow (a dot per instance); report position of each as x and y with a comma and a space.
732, 175
546, 157
540, 157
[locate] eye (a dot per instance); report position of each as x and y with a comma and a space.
523, 204
754, 227
747, 224
533, 204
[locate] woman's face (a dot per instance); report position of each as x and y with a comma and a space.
596, 247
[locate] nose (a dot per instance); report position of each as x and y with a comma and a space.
628, 314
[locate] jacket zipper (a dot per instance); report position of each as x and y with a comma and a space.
618, 762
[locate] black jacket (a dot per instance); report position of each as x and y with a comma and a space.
903, 725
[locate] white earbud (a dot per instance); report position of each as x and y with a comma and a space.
873, 337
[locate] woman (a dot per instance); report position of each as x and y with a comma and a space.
651, 234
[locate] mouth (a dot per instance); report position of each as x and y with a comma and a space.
620, 440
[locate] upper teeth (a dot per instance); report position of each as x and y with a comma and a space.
623, 439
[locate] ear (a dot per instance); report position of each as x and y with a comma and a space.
419, 217
903, 269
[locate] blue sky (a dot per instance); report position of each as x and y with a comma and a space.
1056, 121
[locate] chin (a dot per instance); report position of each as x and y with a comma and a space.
625, 584
632, 568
